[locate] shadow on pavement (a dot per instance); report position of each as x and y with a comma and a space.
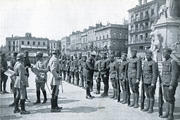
9, 117
82, 109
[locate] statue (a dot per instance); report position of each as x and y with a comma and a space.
173, 8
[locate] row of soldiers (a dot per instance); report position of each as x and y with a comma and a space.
125, 76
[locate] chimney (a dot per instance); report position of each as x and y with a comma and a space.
140, 2
144, 1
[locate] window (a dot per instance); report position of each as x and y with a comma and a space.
28, 42
136, 26
103, 37
96, 38
146, 35
146, 24
141, 37
22, 42
141, 15
100, 38
107, 36
34, 43
44, 43
141, 47
38, 43
147, 14
13, 42
13, 48
152, 12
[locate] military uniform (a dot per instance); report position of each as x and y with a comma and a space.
98, 76
134, 73
80, 68
64, 68
55, 82
76, 70
20, 84
67, 68
150, 73
72, 67
41, 78
89, 75
113, 76
105, 75
123, 75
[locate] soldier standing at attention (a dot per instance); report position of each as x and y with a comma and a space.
150, 73
170, 74
134, 73
41, 77
105, 74
76, 69
89, 74
72, 69
123, 79
12, 63
20, 84
98, 74
56, 79
64, 67
68, 62
80, 68
84, 71
113, 69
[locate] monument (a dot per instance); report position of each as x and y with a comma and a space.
166, 31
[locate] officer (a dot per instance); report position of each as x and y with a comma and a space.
4, 68
20, 84
98, 74
170, 74
84, 71
64, 67
150, 73
41, 77
105, 74
123, 79
12, 63
89, 74
134, 73
55, 82
76, 69
113, 69
80, 68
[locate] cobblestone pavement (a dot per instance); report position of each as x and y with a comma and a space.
76, 107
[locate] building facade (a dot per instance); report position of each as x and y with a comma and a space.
54, 45
141, 19
65, 45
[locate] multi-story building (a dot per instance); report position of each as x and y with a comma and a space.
54, 45
27, 43
141, 19
111, 38
65, 44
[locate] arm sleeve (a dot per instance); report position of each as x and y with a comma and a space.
174, 74
155, 73
139, 69
89, 66
54, 69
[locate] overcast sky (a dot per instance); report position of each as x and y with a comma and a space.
55, 19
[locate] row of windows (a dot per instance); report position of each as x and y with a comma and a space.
34, 43
102, 37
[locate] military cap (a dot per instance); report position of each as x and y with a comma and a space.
39, 54
20, 56
55, 52
168, 50
15, 54
93, 53
149, 52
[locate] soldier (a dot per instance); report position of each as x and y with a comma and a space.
98, 74
72, 69
89, 74
150, 73
3, 76
27, 65
170, 74
105, 74
113, 69
55, 82
20, 84
64, 67
76, 69
134, 72
84, 70
41, 77
80, 68
12, 63
68, 62
123, 79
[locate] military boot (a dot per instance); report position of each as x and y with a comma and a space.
56, 104
23, 110
171, 112
53, 106
133, 102
147, 106
45, 97
124, 97
151, 106
113, 94
38, 97
167, 111
98, 88
16, 106
136, 100
13, 104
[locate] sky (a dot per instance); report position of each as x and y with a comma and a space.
55, 19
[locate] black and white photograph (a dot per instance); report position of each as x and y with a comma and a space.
89, 59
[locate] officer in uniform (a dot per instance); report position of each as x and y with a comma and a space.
134, 73
84, 70
72, 69
4, 78
170, 74
150, 73
123, 79
41, 77
89, 74
55, 82
12, 63
105, 74
76, 69
64, 67
113, 69
20, 84
98, 74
